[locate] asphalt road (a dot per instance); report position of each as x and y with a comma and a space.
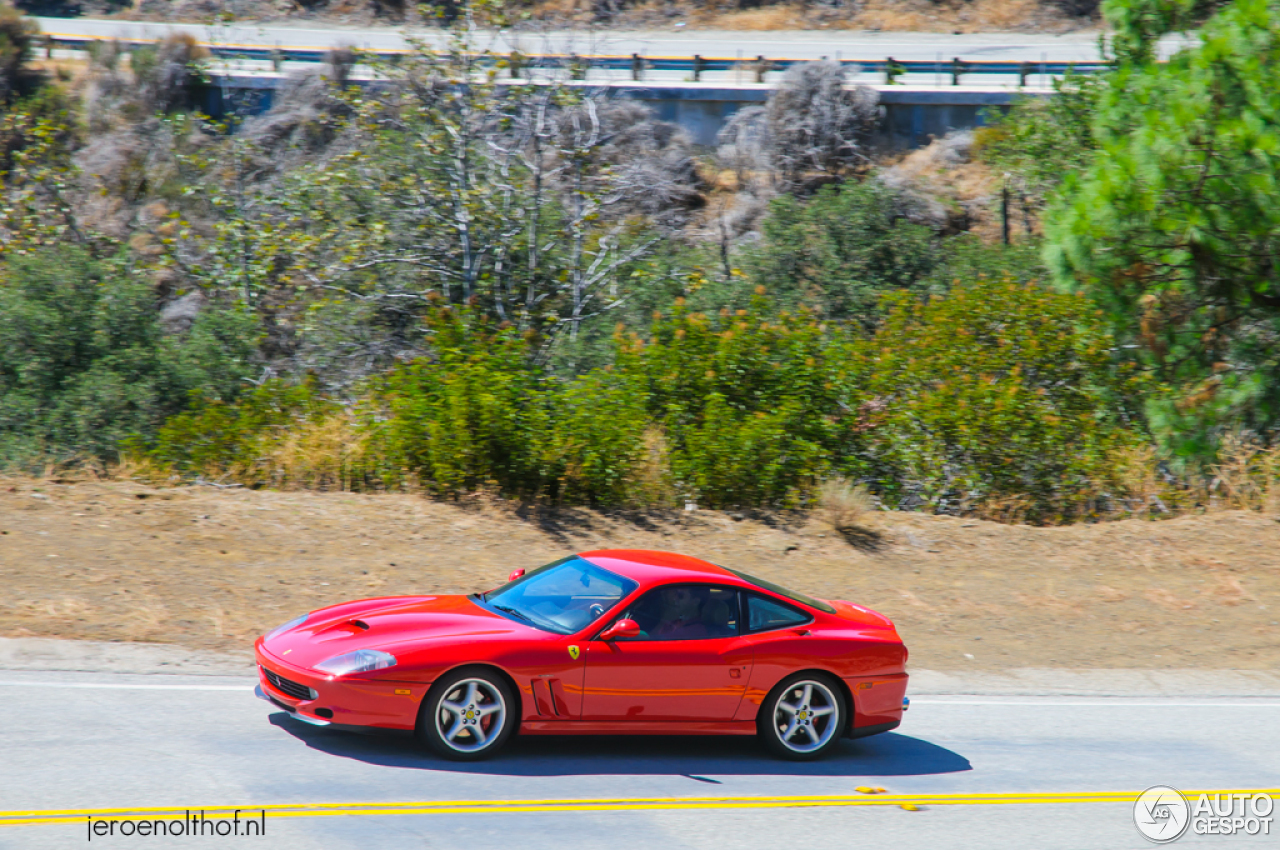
84, 742
1023, 47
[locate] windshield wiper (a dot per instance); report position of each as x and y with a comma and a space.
508, 609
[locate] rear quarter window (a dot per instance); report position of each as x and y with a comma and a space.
782, 591
765, 614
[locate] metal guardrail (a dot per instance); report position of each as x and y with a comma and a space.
579, 64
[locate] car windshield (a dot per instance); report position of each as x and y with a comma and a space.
562, 597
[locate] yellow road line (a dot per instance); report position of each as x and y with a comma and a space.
347, 809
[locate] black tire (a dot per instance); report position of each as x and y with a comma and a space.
787, 723
468, 714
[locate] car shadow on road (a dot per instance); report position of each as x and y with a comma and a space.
888, 754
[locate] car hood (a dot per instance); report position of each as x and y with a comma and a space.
381, 623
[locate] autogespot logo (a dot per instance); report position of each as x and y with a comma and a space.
1163, 814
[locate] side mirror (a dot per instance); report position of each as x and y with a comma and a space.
621, 629
515, 574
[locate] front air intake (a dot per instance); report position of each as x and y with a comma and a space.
297, 690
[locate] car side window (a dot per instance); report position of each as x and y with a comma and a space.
685, 612
764, 614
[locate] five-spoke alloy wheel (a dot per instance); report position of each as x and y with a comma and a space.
468, 715
803, 717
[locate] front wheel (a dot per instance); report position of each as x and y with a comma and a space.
468, 715
803, 717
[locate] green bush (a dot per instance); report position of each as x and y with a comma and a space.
474, 415
218, 438
85, 364
596, 438
1000, 397
729, 460
753, 401
965, 257
1041, 141
839, 251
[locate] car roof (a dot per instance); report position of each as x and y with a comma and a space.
649, 567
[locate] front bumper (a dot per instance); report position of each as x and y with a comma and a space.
314, 721
325, 700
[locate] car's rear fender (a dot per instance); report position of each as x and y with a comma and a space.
752, 707
878, 700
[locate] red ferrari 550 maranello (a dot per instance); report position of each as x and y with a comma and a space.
608, 642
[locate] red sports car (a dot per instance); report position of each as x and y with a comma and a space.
608, 642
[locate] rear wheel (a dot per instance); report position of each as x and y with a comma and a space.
468, 715
803, 717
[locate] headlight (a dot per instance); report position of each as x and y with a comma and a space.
360, 661
292, 624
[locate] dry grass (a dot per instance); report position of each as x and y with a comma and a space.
975, 16
333, 453
1136, 474
889, 15
1246, 478
899, 15
892, 15
762, 19
212, 568
326, 454
952, 190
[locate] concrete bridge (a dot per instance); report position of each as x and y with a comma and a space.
929, 83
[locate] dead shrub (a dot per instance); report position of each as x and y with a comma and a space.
167, 74
843, 504
652, 483
636, 163
651, 160
1140, 488
1246, 477
812, 129
1009, 510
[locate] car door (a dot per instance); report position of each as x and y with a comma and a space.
687, 664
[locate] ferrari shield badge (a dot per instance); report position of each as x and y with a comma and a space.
574, 652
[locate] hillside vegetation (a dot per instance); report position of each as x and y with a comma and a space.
549, 296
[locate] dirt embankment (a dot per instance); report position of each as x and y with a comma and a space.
210, 568
1051, 16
